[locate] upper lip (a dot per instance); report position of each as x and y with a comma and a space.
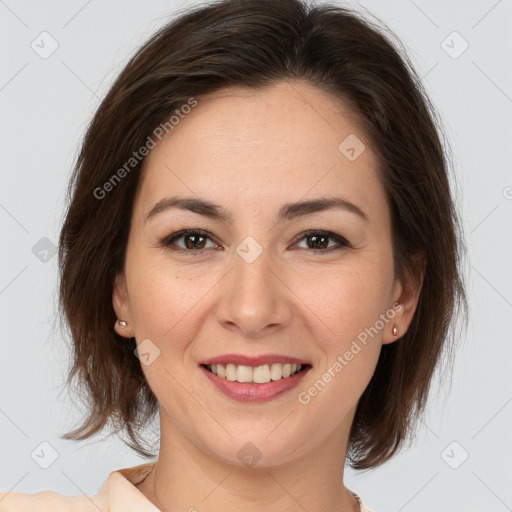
254, 361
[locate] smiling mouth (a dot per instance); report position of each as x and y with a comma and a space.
257, 374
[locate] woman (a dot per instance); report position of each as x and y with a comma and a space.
261, 246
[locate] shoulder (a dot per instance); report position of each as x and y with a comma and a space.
118, 493
48, 501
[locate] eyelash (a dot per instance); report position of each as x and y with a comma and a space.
167, 242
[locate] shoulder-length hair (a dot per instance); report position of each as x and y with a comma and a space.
255, 43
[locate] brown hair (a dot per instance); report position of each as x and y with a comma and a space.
255, 43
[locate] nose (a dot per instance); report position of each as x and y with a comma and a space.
254, 297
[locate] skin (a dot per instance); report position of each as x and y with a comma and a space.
251, 151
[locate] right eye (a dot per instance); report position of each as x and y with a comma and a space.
194, 240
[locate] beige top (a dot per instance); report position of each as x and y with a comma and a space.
117, 494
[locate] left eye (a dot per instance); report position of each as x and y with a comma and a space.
320, 239
195, 241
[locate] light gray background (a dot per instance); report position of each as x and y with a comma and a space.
45, 107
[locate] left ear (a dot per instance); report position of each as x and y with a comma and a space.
407, 295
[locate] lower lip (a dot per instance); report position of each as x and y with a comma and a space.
247, 392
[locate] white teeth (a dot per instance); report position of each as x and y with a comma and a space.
244, 374
276, 371
259, 374
231, 372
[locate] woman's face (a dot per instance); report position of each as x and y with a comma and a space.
256, 283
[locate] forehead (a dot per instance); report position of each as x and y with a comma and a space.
254, 145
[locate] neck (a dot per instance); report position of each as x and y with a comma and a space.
186, 478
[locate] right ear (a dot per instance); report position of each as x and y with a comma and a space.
121, 303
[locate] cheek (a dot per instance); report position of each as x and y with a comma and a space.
348, 331
343, 301
167, 293
163, 297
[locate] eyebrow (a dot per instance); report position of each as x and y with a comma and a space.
287, 212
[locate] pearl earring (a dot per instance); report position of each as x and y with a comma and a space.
394, 331
122, 323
